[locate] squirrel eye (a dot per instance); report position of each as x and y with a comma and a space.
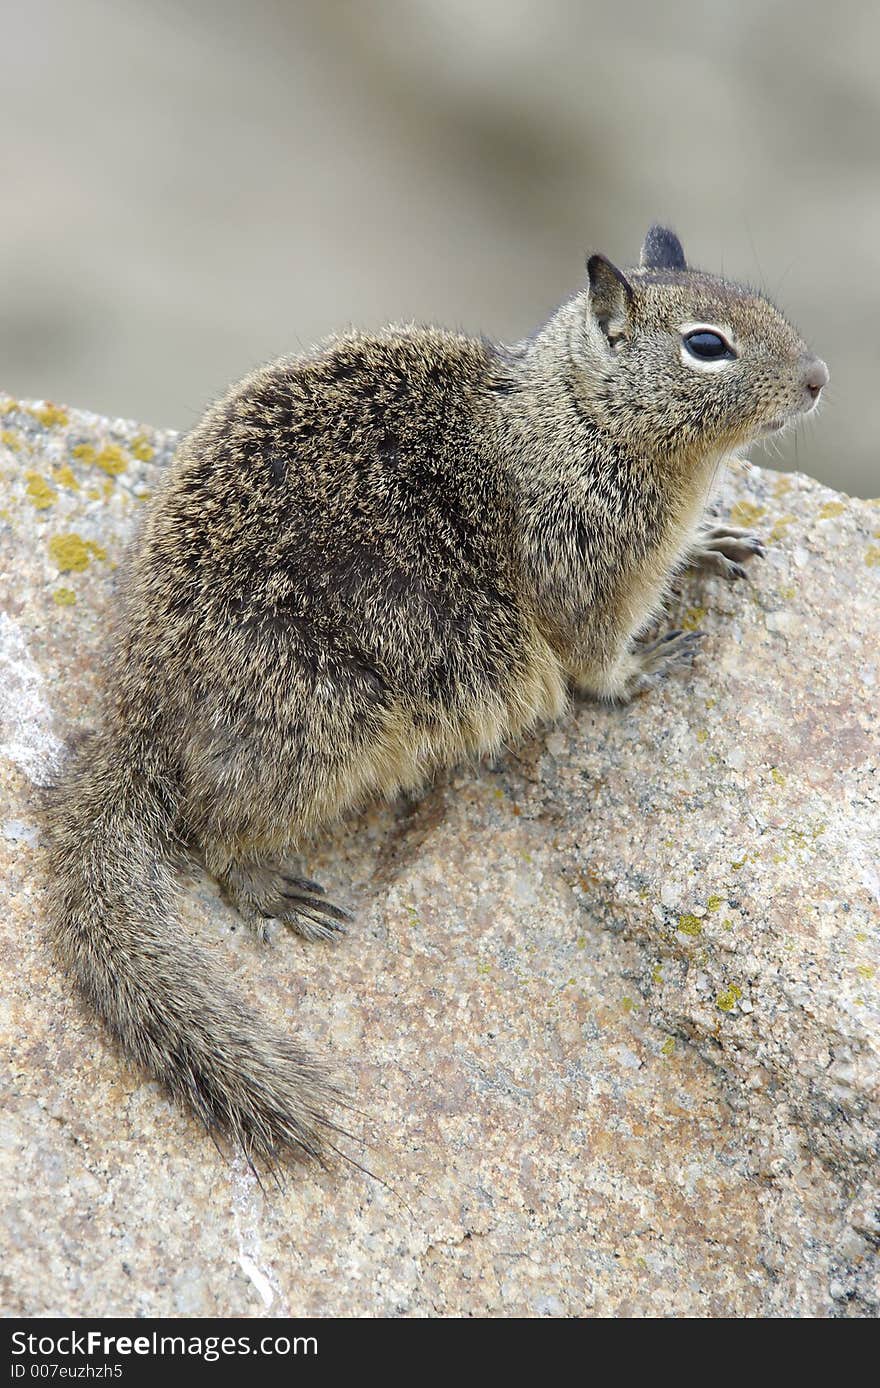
707, 346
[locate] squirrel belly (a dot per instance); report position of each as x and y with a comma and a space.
364, 564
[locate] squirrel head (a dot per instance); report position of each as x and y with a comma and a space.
678, 360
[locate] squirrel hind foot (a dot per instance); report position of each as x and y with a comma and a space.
267, 891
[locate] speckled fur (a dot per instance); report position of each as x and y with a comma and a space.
366, 563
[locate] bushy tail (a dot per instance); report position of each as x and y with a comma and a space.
111, 849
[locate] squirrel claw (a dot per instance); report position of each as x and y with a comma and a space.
305, 886
313, 918
325, 908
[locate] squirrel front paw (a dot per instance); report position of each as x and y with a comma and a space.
724, 549
639, 668
658, 657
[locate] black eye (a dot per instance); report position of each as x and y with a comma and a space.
706, 346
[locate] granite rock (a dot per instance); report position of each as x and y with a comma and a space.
609, 1010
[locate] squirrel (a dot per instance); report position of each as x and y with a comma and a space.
365, 563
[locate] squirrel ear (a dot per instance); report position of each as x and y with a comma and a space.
611, 297
662, 251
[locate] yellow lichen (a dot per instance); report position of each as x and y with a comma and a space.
781, 485
777, 775
831, 508
627, 1004
668, 1047
690, 925
11, 439
38, 491
50, 415
112, 460
788, 592
8, 406
746, 513
65, 597
66, 477
72, 553
93, 494
702, 735
780, 526
692, 618
85, 452
872, 556
865, 970
141, 448
713, 903
728, 999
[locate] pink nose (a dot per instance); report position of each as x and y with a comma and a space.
815, 378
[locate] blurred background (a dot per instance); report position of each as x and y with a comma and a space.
193, 186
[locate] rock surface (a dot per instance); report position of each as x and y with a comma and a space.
610, 1007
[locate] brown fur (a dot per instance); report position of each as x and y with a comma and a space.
366, 563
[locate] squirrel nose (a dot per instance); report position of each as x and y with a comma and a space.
815, 378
